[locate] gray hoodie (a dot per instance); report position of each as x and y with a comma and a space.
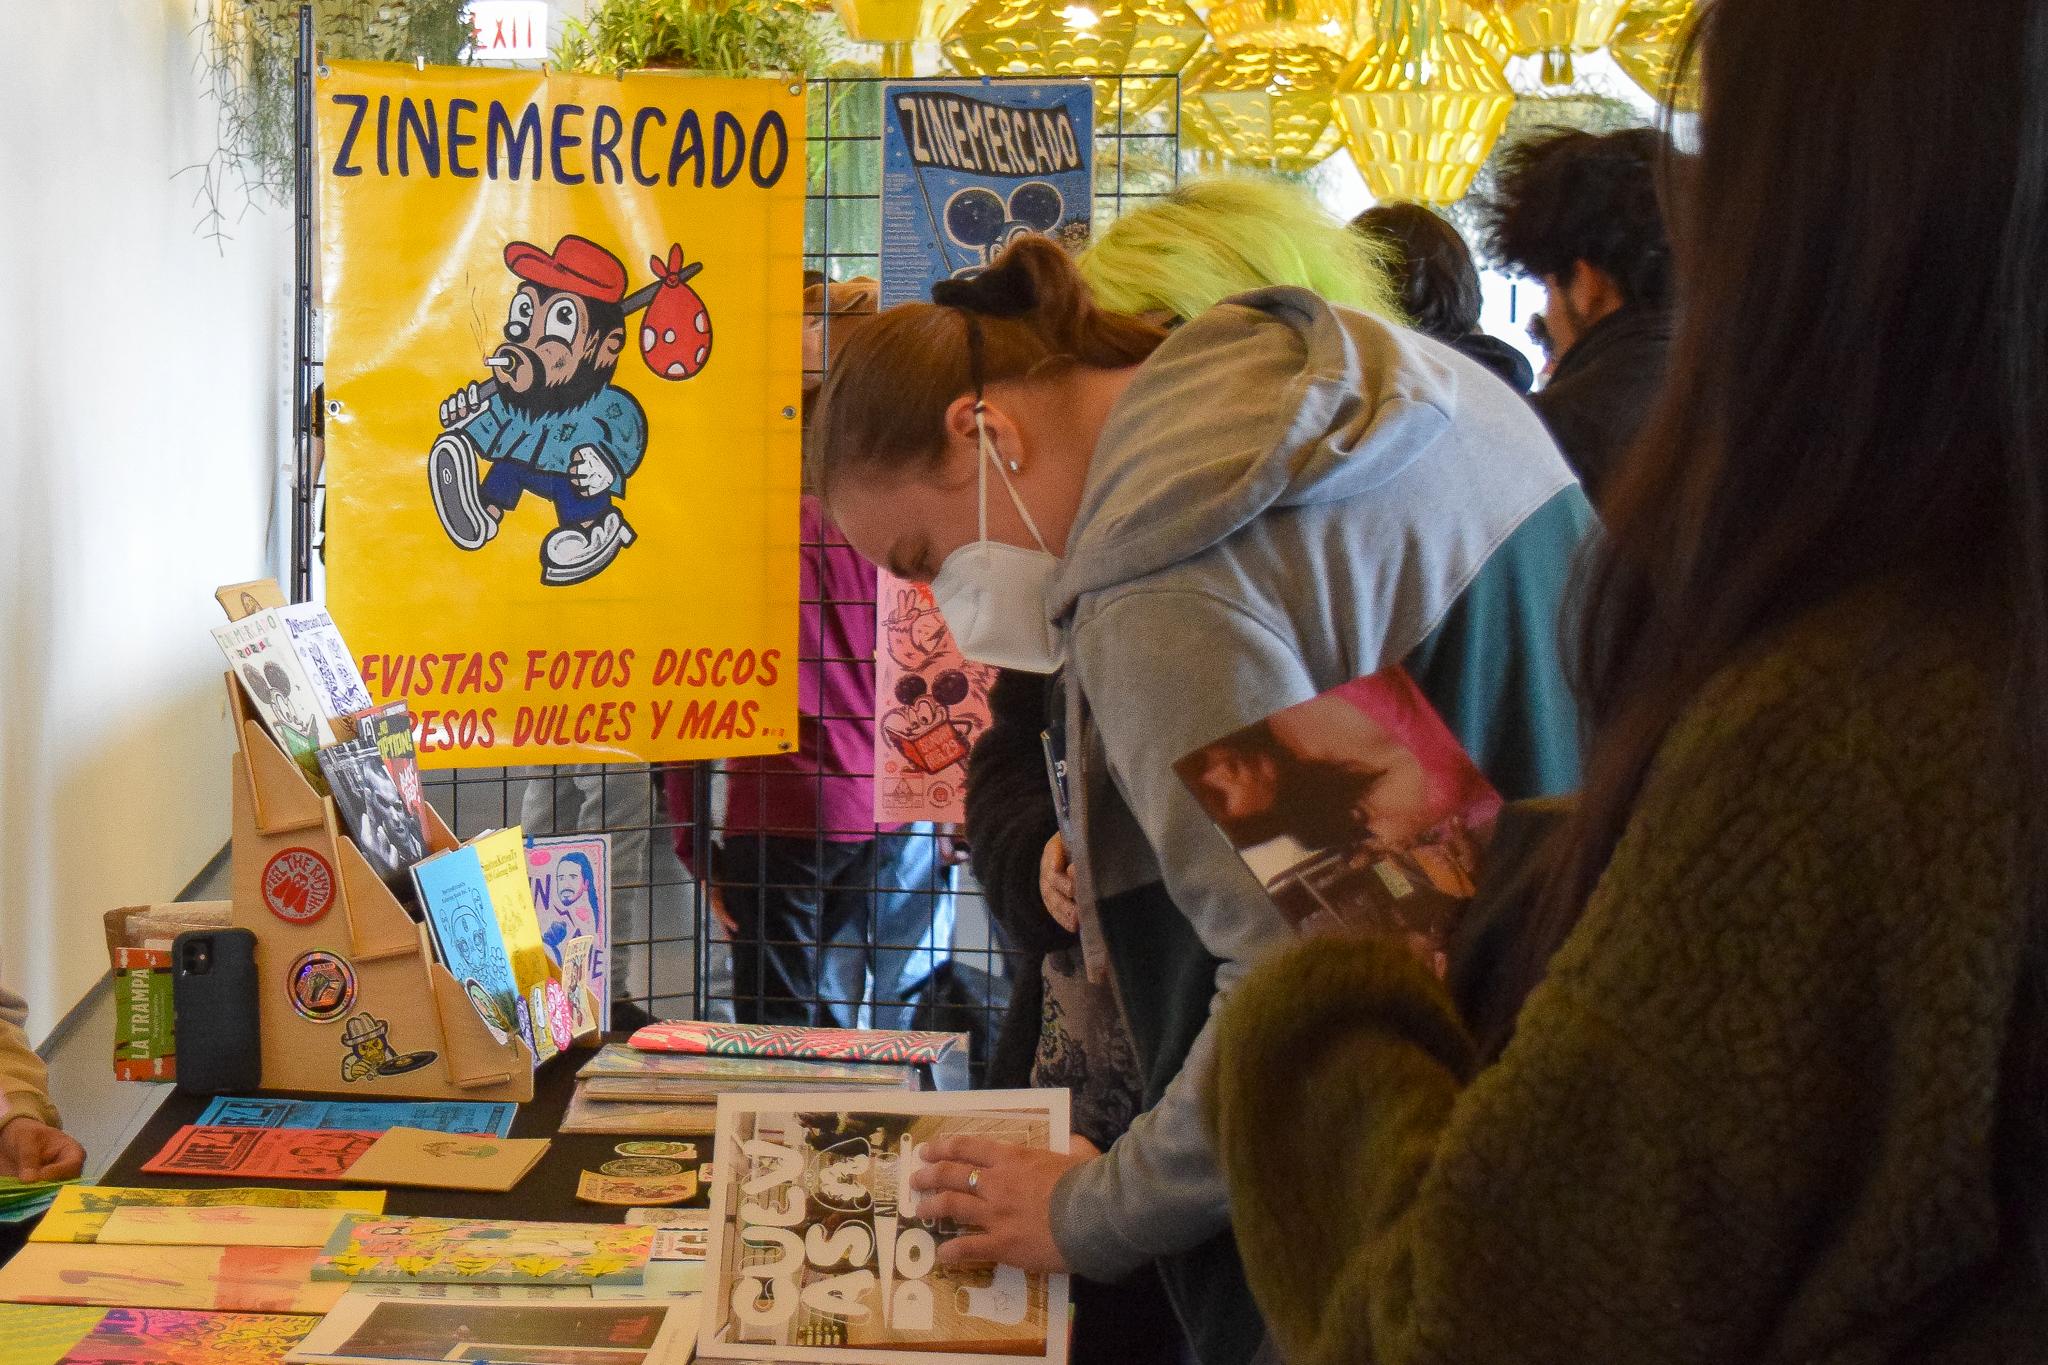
1288, 496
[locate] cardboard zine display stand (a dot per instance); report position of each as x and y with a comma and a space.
352, 1000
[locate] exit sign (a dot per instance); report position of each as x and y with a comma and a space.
508, 30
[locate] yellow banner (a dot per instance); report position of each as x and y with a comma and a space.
563, 364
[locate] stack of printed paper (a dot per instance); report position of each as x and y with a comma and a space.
21, 1201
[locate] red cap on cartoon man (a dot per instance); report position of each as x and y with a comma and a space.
576, 266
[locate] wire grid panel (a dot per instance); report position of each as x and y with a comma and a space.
841, 922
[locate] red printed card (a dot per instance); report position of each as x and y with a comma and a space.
261, 1153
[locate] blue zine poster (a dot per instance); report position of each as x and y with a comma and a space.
969, 166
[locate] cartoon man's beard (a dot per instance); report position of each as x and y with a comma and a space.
546, 399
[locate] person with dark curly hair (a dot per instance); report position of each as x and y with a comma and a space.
1440, 285
1579, 213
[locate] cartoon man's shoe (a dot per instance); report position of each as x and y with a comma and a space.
458, 496
576, 554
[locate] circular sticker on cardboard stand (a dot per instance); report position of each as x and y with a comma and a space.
687, 1150
642, 1165
321, 986
298, 886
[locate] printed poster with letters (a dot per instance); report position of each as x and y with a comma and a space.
967, 168
931, 706
970, 166
563, 362
820, 1252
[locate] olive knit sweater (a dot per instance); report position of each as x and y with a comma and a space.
1748, 1117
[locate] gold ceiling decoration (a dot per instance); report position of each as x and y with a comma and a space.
1647, 46
894, 24
1420, 113
1265, 107
1285, 23
1553, 29
1474, 21
1074, 38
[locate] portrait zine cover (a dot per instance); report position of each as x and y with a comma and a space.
572, 895
817, 1250
1357, 810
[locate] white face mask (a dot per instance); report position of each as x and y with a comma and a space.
993, 595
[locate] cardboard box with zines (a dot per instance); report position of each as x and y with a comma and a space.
391, 958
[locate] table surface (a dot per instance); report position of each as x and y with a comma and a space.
548, 1192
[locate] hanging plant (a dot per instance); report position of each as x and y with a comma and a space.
717, 37
248, 54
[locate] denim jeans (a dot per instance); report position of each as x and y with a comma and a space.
818, 919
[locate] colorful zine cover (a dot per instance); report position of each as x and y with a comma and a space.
81, 1211
227, 1279
175, 1336
827, 1179
791, 1040
457, 906
502, 854
373, 810
260, 1153
931, 705
366, 1328
480, 1251
145, 1039
259, 652
360, 1116
391, 729
968, 167
42, 1333
572, 894
220, 1226
337, 686
618, 1059
1357, 811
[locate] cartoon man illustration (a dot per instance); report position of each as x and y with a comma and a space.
552, 423
367, 1054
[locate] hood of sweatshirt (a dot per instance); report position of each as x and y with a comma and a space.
1273, 399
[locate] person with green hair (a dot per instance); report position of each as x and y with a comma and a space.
1169, 262
1180, 256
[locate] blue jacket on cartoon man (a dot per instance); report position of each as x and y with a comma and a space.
551, 423
610, 423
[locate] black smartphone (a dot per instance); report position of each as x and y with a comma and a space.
213, 994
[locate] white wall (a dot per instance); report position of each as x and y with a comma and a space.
139, 378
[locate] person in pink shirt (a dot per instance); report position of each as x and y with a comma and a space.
814, 895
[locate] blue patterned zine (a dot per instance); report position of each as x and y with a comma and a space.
362, 1116
457, 903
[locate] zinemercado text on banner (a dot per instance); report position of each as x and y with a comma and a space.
563, 363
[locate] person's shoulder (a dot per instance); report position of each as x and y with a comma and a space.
1868, 705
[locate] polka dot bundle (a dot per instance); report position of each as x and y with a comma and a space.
675, 332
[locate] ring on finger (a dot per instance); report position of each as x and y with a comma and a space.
974, 1181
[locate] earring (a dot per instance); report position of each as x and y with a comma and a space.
1015, 468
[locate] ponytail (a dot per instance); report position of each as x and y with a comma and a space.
882, 409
